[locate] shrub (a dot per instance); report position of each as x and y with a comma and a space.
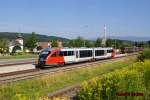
133, 79
145, 54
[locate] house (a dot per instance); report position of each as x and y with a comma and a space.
44, 45
16, 44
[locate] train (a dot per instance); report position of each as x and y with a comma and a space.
131, 49
62, 56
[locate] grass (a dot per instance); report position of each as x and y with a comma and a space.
37, 87
18, 56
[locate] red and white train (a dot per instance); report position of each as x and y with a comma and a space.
61, 56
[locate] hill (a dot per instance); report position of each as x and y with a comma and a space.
131, 38
127, 38
41, 38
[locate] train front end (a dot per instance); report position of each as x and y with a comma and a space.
43, 57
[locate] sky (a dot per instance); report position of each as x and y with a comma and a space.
72, 18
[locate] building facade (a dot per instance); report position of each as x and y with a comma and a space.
16, 44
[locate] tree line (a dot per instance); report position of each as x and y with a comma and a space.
31, 43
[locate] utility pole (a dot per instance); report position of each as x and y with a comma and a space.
115, 43
84, 43
104, 37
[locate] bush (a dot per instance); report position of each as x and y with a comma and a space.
144, 55
129, 80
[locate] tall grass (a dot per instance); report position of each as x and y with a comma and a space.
145, 54
133, 80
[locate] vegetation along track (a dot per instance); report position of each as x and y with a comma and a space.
30, 75
38, 72
70, 92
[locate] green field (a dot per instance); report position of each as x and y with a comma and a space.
18, 56
39, 87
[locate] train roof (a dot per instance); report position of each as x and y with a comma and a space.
82, 48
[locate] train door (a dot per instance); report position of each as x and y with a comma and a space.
77, 56
105, 53
113, 53
55, 58
69, 56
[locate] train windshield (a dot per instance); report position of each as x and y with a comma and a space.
44, 54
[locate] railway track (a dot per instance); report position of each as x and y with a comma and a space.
18, 72
37, 72
30, 75
10, 64
70, 92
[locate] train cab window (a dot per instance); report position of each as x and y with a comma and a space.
44, 54
60, 53
56, 54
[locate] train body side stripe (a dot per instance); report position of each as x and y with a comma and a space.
52, 60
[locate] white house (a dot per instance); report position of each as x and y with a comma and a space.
18, 43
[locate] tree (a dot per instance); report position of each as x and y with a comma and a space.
54, 43
79, 42
88, 44
16, 48
98, 42
70, 43
31, 42
4, 45
39, 48
148, 43
110, 43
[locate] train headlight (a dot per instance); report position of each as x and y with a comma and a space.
41, 59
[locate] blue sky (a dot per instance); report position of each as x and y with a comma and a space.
72, 18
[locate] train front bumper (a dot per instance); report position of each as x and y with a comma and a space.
41, 61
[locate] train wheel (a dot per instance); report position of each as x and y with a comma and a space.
93, 60
61, 64
39, 66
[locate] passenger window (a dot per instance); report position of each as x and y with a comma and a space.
54, 55
99, 52
60, 53
65, 53
69, 53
